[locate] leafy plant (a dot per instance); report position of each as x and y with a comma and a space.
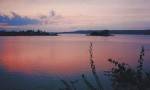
124, 77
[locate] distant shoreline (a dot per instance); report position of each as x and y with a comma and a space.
27, 33
86, 32
128, 32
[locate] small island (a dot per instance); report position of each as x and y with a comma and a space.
27, 33
100, 33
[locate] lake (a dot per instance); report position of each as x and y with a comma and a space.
39, 62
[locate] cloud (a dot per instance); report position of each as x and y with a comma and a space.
17, 20
14, 21
51, 19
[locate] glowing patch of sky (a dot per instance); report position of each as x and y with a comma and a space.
128, 14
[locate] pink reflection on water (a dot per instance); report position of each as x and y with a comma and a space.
62, 55
31, 57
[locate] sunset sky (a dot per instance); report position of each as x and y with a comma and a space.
67, 15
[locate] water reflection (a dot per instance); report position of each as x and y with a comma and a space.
37, 63
67, 54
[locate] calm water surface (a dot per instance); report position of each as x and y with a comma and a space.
26, 61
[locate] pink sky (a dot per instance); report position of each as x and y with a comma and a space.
79, 14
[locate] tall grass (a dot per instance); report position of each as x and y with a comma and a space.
122, 76
93, 70
90, 86
69, 85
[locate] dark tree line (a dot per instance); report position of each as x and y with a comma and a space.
26, 33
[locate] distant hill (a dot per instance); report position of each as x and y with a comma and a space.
100, 33
136, 32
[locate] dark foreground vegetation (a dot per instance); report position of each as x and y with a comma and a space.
121, 76
124, 77
27, 33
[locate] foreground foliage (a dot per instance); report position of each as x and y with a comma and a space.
122, 76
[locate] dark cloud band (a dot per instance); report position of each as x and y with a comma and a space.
17, 20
